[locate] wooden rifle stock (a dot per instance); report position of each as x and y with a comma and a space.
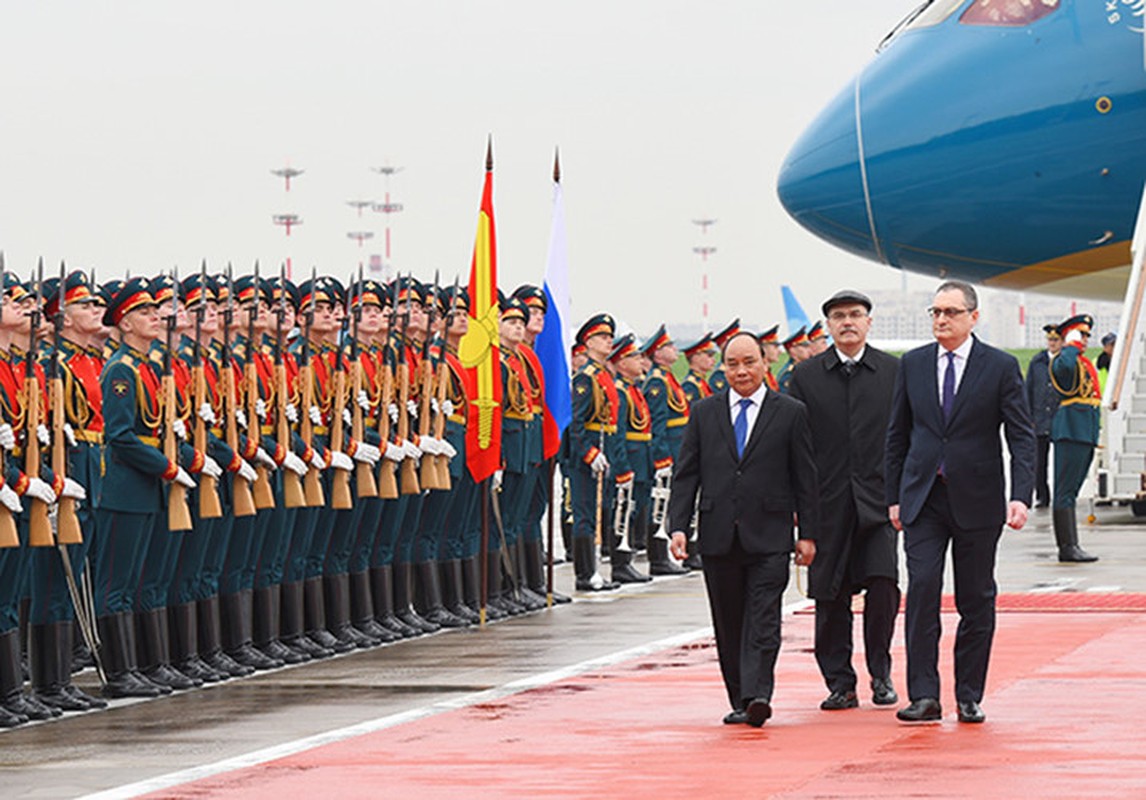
429, 473
67, 523
387, 480
408, 474
209, 505
263, 494
242, 501
312, 486
178, 514
366, 486
293, 496
441, 462
340, 498
40, 527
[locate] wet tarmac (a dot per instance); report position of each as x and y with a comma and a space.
137, 740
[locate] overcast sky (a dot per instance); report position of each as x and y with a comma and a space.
141, 135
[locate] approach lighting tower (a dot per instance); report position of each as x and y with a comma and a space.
360, 236
287, 173
387, 207
288, 221
358, 205
704, 251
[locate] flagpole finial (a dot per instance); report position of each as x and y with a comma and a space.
489, 154
556, 165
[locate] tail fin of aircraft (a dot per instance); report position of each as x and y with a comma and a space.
793, 311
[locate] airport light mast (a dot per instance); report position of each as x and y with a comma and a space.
704, 251
287, 173
360, 236
387, 206
358, 205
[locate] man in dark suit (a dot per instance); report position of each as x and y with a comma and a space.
944, 478
747, 451
847, 390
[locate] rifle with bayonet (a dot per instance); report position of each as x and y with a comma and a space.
40, 527
293, 496
263, 494
407, 472
430, 477
365, 483
312, 486
8, 535
242, 501
67, 523
340, 497
178, 512
441, 461
387, 480
209, 505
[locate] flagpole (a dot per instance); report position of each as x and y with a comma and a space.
483, 490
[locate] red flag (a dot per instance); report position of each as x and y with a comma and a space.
478, 349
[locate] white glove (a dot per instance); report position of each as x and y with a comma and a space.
412, 409
7, 436
412, 450
367, 453
70, 434
211, 467
434, 406
264, 458
663, 472
600, 464
39, 490
183, 479
346, 418
498, 477
74, 490
363, 400
10, 499
315, 415
448, 408
317, 461
393, 409
207, 414
294, 464
43, 434
429, 445
261, 408
447, 449
394, 452
291, 413
340, 460
241, 417
180, 429
247, 472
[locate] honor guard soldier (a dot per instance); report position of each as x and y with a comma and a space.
595, 407
701, 356
817, 338
1043, 401
770, 340
634, 478
668, 415
717, 380
798, 350
1074, 431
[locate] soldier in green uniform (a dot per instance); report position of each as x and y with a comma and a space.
817, 338
1074, 431
798, 349
701, 356
633, 465
717, 380
770, 341
668, 414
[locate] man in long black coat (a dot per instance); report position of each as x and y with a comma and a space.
848, 391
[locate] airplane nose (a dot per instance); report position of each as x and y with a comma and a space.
821, 183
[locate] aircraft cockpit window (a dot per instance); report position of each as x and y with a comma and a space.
1010, 13
932, 13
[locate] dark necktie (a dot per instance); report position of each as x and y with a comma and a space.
849, 367
740, 426
949, 385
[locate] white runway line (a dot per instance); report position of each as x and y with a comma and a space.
370, 726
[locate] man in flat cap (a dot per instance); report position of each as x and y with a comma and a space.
848, 390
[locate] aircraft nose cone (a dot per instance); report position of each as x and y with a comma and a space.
821, 183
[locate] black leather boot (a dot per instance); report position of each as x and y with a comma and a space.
51, 674
184, 624
153, 639
532, 600
337, 588
536, 574
404, 600
362, 610
11, 680
314, 617
623, 571
236, 611
585, 567
294, 622
660, 563
496, 594
639, 531
453, 591
471, 589
211, 641
382, 593
266, 616
117, 651
431, 606
1066, 537
81, 655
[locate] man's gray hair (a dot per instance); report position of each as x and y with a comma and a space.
969, 296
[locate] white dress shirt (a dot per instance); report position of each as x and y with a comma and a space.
962, 352
844, 359
751, 412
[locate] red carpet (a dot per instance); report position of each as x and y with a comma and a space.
1065, 704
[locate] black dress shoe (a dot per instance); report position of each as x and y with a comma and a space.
838, 701
758, 712
883, 693
924, 710
969, 711
737, 716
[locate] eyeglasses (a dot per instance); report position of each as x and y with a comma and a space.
840, 316
950, 313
